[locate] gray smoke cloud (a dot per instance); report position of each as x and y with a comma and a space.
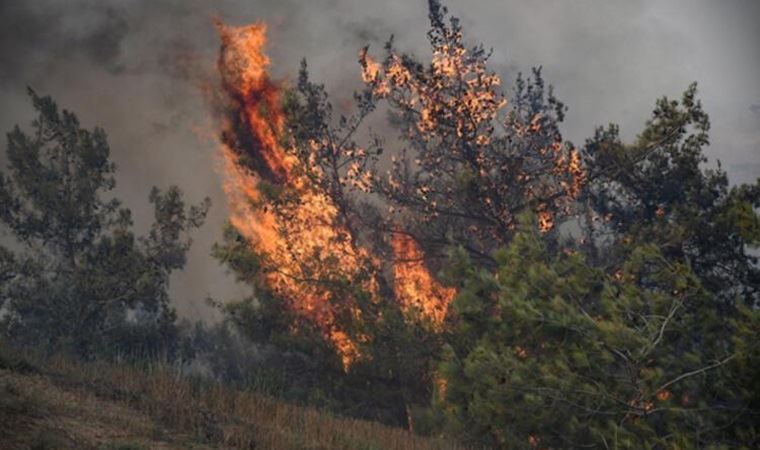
133, 66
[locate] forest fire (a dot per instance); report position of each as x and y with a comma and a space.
300, 238
412, 254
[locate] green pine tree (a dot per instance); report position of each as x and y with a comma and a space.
551, 352
77, 270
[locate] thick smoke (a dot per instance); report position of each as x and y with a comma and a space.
32, 34
134, 67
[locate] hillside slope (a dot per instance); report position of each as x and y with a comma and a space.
62, 404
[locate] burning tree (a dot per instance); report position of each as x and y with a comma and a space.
470, 162
343, 236
309, 258
318, 208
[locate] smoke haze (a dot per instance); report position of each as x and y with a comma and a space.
134, 68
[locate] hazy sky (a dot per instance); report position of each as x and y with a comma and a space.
130, 66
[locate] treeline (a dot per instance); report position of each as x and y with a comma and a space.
518, 291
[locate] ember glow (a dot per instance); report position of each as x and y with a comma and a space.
471, 112
459, 118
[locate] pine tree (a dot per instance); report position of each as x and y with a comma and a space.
550, 352
80, 269
657, 190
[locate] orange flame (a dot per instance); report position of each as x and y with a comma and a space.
415, 288
296, 239
243, 66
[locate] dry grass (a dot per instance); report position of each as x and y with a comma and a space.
174, 411
36, 413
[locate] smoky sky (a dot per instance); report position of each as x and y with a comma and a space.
133, 67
